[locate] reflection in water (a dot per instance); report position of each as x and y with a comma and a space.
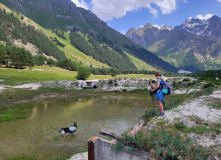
34, 112
46, 105
38, 134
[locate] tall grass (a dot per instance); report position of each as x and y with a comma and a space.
163, 142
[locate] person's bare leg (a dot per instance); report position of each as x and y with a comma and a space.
160, 104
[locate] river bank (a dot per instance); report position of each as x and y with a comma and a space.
35, 92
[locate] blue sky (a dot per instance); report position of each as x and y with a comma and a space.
122, 15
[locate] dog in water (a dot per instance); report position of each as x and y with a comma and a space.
65, 131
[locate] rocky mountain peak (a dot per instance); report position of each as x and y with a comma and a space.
195, 41
163, 26
210, 27
148, 25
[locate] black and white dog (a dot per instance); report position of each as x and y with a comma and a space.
65, 131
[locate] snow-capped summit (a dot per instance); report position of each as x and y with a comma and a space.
204, 26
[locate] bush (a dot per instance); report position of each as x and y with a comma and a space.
83, 72
51, 62
186, 80
67, 64
113, 74
207, 85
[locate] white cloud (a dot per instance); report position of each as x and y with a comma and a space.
108, 9
219, 1
123, 32
81, 3
207, 16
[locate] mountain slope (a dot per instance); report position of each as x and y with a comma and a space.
65, 16
210, 27
11, 28
179, 47
68, 51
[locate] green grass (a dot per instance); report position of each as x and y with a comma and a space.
46, 73
199, 128
37, 74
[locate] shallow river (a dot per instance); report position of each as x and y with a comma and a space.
38, 134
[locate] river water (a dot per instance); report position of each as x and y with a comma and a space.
37, 135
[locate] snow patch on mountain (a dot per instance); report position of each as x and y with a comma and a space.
196, 25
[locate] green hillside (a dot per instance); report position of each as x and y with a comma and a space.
107, 44
11, 28
141, 65
12, 20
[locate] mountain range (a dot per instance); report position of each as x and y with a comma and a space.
194, 45
81, 36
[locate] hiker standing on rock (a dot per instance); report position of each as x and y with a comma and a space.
160, 97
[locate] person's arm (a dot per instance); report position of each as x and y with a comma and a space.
152, 85
156, 87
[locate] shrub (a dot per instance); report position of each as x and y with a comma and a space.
207, 85
83, 72
124, 90
113, 74
67, 64
186, 80
51, 62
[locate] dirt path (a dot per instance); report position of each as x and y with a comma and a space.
80, 156
198, 112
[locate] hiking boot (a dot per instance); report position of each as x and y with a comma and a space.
162, 114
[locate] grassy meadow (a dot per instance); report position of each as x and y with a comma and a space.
36, 74
46, 73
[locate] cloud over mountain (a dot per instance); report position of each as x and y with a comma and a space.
81, 3
107, 10
207, 16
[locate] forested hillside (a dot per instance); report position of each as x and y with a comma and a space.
101, 49
12, 29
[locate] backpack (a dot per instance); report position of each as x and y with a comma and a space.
165, 87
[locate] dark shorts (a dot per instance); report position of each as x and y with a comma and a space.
160, 95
